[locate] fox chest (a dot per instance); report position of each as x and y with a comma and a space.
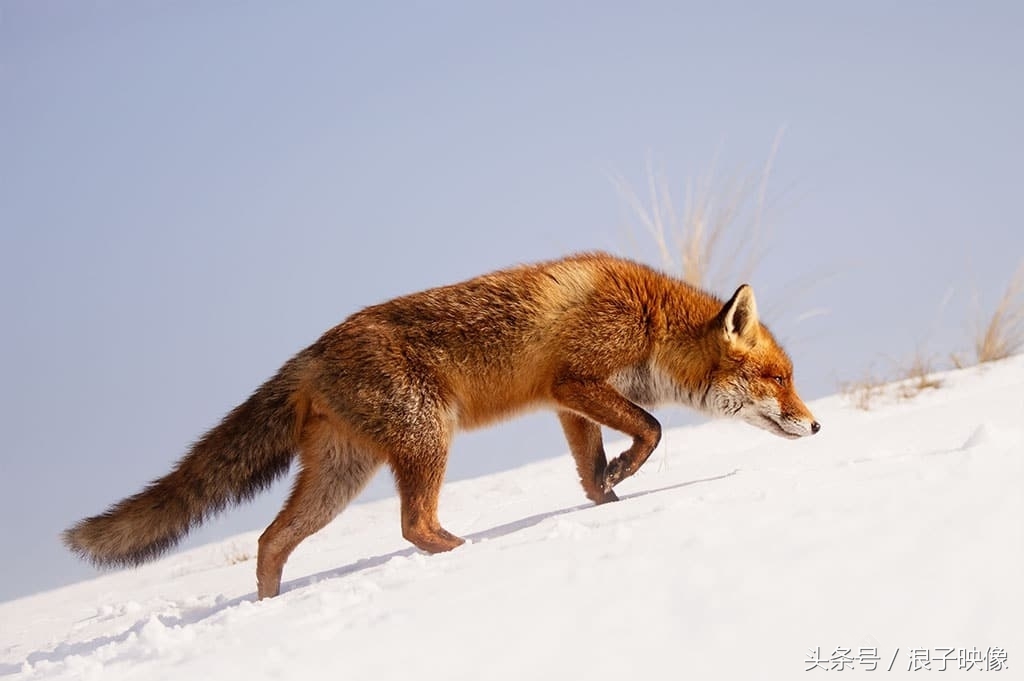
649, 386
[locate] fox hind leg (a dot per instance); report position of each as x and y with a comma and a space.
584, 437
333, 472
419, 473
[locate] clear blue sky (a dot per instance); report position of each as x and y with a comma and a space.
191, 192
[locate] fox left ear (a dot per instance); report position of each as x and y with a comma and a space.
739, 316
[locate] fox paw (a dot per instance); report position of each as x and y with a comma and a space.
436, 541
616, 471
609, 496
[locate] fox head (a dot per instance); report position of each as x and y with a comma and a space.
752, 377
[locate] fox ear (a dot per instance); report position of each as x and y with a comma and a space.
739, 316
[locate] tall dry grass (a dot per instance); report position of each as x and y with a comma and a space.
1003, 334
715, 238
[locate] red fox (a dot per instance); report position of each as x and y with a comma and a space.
594, 337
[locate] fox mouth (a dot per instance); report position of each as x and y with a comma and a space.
785, 433
773, 426
779, 430
769, 417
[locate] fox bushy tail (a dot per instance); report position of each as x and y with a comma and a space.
248, 450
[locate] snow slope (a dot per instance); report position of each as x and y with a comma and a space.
894, 533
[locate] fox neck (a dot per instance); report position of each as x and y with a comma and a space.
684, 347
651, 385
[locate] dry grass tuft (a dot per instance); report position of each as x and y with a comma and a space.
716, 239
916, 377
863, 393
906, 382
999, 338
1004, 334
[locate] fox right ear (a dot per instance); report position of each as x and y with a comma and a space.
739, 317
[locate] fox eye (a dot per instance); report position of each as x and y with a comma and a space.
781, 380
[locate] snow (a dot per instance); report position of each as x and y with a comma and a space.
733, 554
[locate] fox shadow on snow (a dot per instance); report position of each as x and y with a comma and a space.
198, 614
492, 533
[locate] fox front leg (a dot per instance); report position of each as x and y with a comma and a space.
584, 437
599, 402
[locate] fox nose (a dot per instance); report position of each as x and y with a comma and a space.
815, 427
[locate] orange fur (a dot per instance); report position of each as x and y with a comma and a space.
593, 337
